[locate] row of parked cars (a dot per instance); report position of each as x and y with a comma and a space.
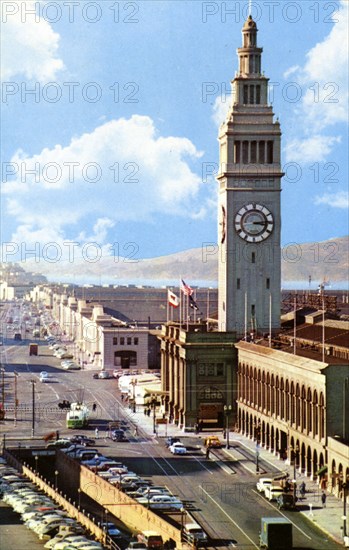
41, 514
61, 352
273, 491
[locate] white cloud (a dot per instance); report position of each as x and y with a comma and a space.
312, 149
324, 83
220, 109
335, 200
29, 45
121, 171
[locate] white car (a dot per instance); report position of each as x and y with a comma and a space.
44, 376
262, 483
273, 492
178, 448
161, 502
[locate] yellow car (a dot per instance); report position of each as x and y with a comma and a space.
213, 441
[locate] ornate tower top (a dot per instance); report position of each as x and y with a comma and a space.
249, 54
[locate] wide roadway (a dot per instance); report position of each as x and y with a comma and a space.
218, 492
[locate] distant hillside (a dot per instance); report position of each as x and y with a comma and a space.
324, 260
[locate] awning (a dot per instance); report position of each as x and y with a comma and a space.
321, 471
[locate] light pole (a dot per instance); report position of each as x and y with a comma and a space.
79, 497
153, 402
16, 400
227, 411
33, 406
36, 463
295, 452
56, 479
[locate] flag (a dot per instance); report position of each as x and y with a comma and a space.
186, 289
173, 300
192, 303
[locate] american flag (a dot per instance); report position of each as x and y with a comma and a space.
186, 289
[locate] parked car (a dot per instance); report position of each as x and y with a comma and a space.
272, 492
178, 448
286, 501
262, 483
72, 366
195, 534
59, 444
161, 502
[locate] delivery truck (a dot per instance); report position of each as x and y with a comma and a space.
276, 534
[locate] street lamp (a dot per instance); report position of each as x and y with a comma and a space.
295, 452
79, 497
153, 402
56, 476
36, 463
227, 411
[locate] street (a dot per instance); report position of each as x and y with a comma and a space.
219, 492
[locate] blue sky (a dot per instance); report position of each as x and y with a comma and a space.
119, 141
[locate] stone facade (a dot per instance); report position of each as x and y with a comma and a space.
292, 404
198, 372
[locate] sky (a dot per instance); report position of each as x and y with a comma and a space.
111, 113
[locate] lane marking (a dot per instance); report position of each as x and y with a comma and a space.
228, 516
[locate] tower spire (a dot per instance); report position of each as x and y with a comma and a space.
249, 54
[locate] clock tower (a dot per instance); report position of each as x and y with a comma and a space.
249, 181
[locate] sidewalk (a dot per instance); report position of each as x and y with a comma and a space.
329, 519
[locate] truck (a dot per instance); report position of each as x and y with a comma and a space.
77, 416
276, 534
33, 349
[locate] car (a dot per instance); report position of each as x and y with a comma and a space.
44, 376
161, 502
272, 492
213, 441
118, 435
262, 483
82, 440
72, 366
194, 534
171, 440
112, 531
286, 501
104, 375
135, 545
60, 444
178, 448
117, 373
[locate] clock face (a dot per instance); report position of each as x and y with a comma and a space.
254, 223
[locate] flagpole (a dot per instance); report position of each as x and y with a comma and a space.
180, 302
187, 313
167, 307
245, 316
295, 326
195, 307
270, 304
